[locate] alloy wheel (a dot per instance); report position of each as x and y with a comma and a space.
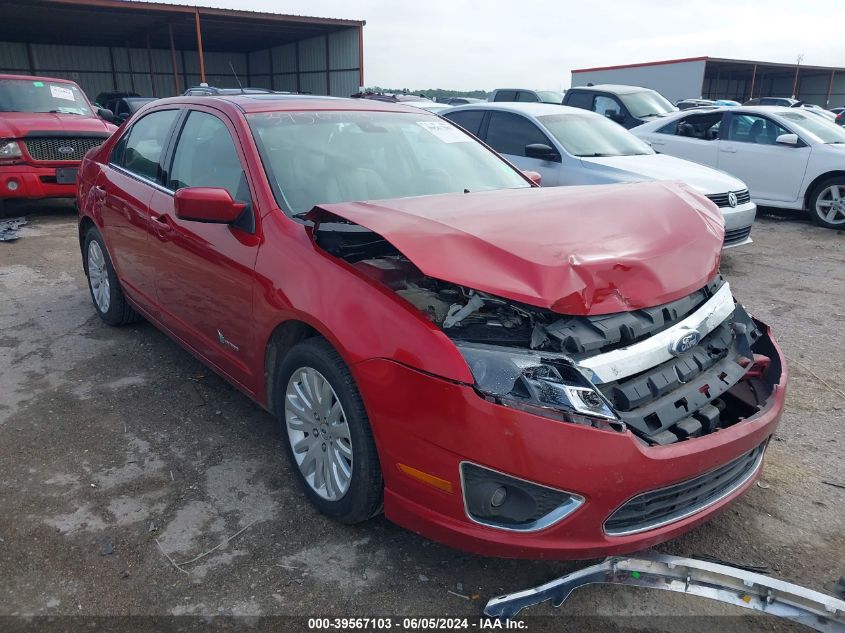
830, 205
318, 433
98, 276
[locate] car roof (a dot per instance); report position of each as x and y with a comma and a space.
253, 103
529, 108
615, 88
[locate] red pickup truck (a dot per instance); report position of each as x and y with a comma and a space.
46, 126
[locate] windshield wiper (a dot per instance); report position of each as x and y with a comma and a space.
596, 155
63, 112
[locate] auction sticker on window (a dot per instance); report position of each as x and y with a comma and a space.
445, 132
62, 93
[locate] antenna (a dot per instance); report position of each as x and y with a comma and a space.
240, 85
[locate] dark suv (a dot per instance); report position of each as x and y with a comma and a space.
629, 106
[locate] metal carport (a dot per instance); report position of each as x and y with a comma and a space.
161, 49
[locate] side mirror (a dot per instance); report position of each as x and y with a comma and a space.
613, 115
106, 115
541, 151
207, 204
787, 139
533, 176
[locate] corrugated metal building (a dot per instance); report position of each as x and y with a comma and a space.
718, 78
160, 50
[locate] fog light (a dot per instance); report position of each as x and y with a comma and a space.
12, 185
497, 500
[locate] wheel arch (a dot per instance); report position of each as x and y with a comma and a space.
811, 188
283, 338
85, 225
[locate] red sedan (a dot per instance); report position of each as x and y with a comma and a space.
511, 370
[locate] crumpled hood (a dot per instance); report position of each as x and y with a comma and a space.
576, 250
19, 124
703, 179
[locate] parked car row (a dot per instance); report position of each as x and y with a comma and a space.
788, 157
570, 146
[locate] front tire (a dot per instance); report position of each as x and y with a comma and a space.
327, 433
827, 204
109, 301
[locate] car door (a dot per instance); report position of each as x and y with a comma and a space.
693, 137
749, 151
508, 133
123, 191
205, 271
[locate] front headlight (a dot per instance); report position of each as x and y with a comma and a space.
543, 384
9, 149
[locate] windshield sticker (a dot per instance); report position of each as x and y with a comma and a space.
38, 84
445, 132
62, 93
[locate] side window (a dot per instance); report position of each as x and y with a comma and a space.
753, 128
509, 133
526, 97
704, 127
122, 108
140, 150
505, 95
603, 105
470, 120
205, 156
583, 100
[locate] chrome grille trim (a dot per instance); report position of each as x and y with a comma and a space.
627, 361
721, 199
47, 148
750, 463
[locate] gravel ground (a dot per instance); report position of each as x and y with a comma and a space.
120, 451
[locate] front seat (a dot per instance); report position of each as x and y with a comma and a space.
757, 133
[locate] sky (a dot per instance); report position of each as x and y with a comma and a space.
467, 45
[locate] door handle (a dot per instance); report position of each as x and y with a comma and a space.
99, 192
162, 219
729, 150
161, 226
657, 142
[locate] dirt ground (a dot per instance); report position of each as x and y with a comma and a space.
119, 450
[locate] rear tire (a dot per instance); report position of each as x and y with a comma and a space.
108, 298
327, 433
827, 204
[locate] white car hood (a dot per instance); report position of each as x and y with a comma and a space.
705, 180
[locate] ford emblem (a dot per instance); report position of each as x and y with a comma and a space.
66, 149
684, 341
732, 199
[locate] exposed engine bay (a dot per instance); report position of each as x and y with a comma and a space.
726, 374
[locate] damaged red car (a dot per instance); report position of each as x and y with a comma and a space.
511, 370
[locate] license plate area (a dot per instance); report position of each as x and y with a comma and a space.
66, 175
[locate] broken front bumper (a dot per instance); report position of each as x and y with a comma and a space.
428, 425
695, 577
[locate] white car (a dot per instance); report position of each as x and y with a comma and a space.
790, 159
572, 146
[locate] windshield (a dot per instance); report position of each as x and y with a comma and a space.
550, 96
588, 135
323, 157
822, 130
25, 95
646, 103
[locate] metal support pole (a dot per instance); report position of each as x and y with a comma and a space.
113, 69
296, 49
199, 44
150, 66
753, 78
173, 60
829, 89
361, 56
